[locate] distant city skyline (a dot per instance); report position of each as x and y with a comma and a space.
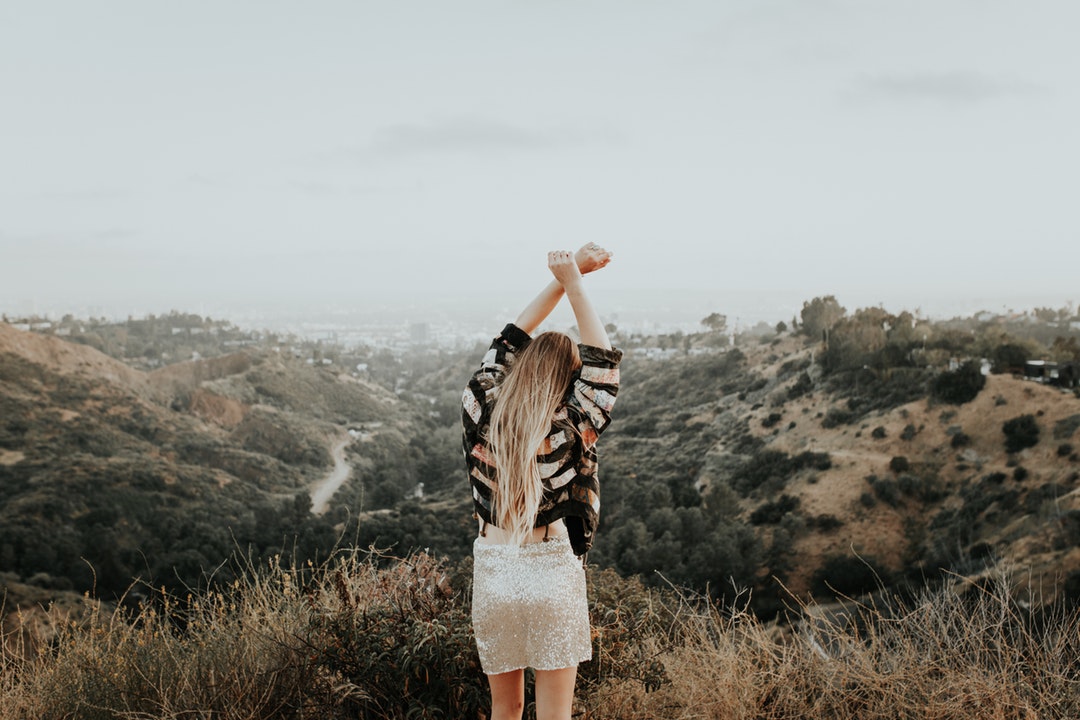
738, 156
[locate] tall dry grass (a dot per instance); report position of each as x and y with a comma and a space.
361, 637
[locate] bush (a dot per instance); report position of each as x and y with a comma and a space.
825, 523
837, 416
958, 386
886, 490
772, 513
772, 420
775, 466
960, 439
1020, 432
899, 464
849, 576
878, 432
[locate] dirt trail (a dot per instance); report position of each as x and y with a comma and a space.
325, 488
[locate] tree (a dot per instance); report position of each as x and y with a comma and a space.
820, 314
1011, 356
715, 322
857, 340
959, 386
781, 327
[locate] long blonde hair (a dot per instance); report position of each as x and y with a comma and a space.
530, 394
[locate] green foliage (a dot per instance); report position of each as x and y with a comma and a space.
687, 546
819, 315
869, 389
715, 322
837, 416
774, 467
849, 576
959, 386
774, 511
1010, 356
1020, 432
886, 490
412, 526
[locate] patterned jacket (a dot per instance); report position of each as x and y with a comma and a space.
567, 460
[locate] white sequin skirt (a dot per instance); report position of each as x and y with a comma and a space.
529, 607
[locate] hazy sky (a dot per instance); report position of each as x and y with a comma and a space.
165, 154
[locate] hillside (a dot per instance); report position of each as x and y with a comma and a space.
908, 497
768, 465
108, 473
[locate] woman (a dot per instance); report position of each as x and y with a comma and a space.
531, 416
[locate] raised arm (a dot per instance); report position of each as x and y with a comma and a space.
565, 269
589, 258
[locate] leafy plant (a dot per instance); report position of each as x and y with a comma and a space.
1020, 432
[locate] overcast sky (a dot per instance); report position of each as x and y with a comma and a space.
161, 155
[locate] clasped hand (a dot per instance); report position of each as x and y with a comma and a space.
568, 267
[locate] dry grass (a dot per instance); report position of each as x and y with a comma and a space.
941, 657
363, 638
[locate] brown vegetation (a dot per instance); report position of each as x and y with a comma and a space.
360, 638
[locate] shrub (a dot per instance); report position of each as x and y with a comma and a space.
848, 575
802, 385
1020, 432
1064, 450
837, 416
773, 419
908, 432
899, 464
776, 466
772, 513
958, 386
887, 491
825, 523
878, 432
1020, 473
959, 440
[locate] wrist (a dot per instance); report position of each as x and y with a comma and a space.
573, 284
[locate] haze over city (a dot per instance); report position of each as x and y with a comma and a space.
420, 159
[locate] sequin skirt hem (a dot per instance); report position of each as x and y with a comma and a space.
529, 606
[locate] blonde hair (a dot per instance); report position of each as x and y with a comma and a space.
520, 422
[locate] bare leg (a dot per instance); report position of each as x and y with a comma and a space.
507, 695
555, 693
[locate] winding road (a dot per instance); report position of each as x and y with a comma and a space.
325, 488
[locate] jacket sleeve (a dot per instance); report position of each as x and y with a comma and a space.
483, 387
596, 386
